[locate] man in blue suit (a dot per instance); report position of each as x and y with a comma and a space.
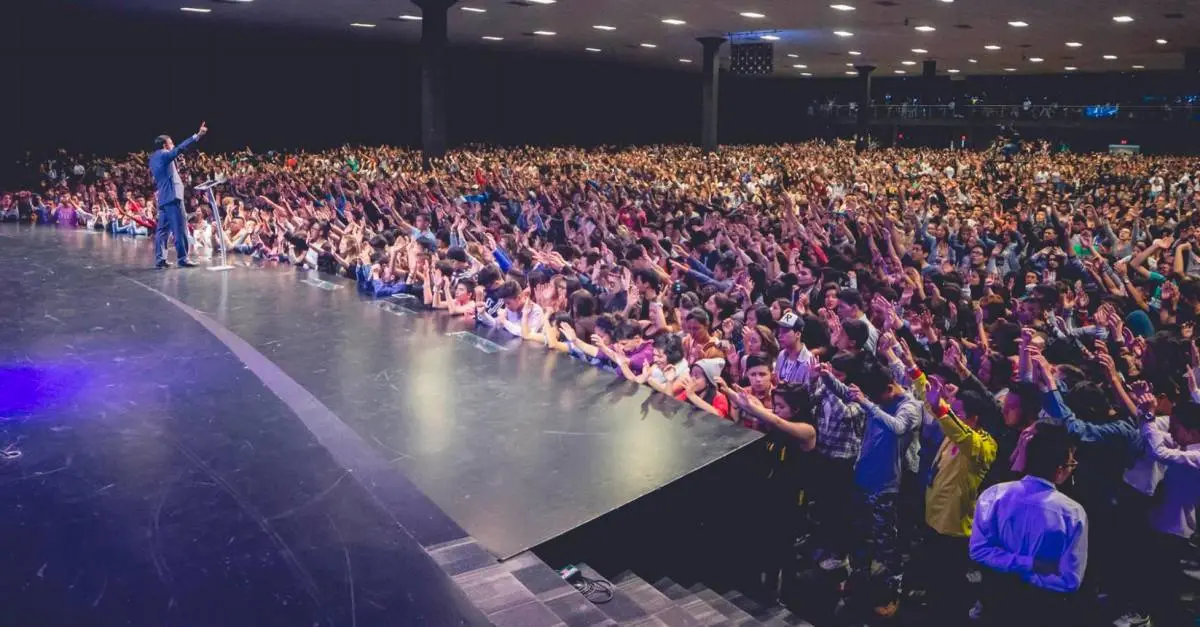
171, 218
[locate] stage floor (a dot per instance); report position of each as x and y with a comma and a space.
198, 403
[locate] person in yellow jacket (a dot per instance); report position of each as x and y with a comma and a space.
963, 459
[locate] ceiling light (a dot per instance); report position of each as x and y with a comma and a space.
674, 21
545, 33
1036, 59
685, 60
752, 15
1073, 44
1010, 69
849, 65
1161, 42
543, 1
770, 37
592, 49
1018, 24
194, 10
1070, 68
843, 33
841, 7
603, 27
972, 60
474, 10
925, 28
362, 25
410, 17
1110, 57
1139, 67
920, 51
991, 47
793, 55
947, 1
1122, 19
646, 45
800, 66
952, 71
899, 72
908, 63
806, 74
851, 73
492, 38
854, 53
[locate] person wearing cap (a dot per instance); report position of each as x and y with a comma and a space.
700, 387
169, 193
794, 361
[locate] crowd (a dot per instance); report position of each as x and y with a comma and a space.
966, 364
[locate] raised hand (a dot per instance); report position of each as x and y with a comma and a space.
203, 129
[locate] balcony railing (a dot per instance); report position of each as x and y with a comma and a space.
1016, 112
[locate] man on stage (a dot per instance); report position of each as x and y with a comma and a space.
171, 218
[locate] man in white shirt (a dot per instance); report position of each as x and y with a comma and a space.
518, 307
1031, 539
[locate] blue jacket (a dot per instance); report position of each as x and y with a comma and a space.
169, 187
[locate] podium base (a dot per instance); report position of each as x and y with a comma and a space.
218, 268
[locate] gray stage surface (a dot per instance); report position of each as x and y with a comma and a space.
516, 444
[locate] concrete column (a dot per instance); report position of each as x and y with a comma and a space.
709, 94
865, 111
433, 76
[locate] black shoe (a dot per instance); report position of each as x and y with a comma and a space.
187, 264
161, 265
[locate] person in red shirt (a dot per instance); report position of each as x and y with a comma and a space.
700, 388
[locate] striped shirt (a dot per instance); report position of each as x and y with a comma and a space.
794, 368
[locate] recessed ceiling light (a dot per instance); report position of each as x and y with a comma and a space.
1161, 42
543, 1
1122, 19
908, 63
752, 15
854, 53
972, 60
411, 18
770, 37
674, 21
592, 49
1070, 68
920, 51
947, 1
1139, 67
841, 7
604, 27
925, 28
952, 71
1110, 57
991, 47
843, 33
362, 25
1036, 59
685, 60
851, 73
793, 55
474, 10
899, 72
806, 74
800, 66
1073, 44
849, 65
492, 38
194, 10
646, 45
1018, 24
545, 33
1010, 69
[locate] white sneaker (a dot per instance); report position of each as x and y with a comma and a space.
834, 563
974, 576
976, 611
1133, 619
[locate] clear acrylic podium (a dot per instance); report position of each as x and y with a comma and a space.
207, 187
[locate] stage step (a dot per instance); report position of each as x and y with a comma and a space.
773, 616
560, 597
663, 611
704, 614
622, 607
735, 615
